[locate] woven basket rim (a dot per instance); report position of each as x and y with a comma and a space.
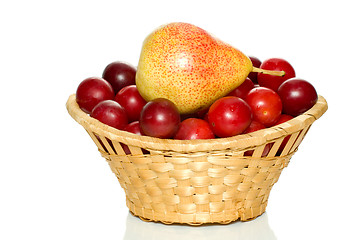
242, 141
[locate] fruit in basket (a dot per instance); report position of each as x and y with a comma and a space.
229, 116
194, 128
272, 81
266, 105
216, 164
160, 118
297, 95
190, 67
111, 113
92, 91
184, 72
131, 100
119, 75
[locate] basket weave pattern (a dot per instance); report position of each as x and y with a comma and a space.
197, 181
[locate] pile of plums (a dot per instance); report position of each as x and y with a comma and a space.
261, 101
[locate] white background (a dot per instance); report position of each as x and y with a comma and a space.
55, 185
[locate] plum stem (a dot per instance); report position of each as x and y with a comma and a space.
270, 72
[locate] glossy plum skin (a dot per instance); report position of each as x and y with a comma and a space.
111, 113
266, 105
134, 127
91, 91
283, 118
160, 118
277, 64
256, 63
254, 126
297, 96
194, 128
131, 100
119, 75
229, 116
242, 90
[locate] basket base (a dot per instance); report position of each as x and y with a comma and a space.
195, 219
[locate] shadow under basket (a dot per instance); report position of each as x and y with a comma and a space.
198, 181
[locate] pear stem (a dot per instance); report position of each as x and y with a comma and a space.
270, 72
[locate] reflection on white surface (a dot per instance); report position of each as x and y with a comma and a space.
256, 229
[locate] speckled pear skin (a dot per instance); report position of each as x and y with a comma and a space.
190, 67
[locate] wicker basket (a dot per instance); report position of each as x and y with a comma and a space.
197, 181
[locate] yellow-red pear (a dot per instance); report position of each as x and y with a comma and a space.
190, 67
